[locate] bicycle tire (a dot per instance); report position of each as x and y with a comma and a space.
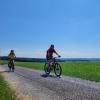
57, 69
47, 69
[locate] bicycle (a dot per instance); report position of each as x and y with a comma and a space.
11, 65
53, 66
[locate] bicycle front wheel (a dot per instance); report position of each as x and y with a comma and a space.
57, 69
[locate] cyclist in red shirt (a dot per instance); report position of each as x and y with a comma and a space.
49, 54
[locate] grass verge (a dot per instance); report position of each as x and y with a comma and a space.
5, 92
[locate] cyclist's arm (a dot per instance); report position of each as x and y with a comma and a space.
14, 56
56, 53
8, 55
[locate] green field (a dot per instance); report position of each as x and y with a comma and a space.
82, 69
86, 70
2, 62
5, 91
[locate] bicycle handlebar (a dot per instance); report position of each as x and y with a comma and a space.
56, 57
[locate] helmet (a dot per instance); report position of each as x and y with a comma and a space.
12, 50
52, 46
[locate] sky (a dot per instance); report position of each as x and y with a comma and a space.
29, 27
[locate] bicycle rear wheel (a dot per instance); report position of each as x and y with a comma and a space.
9, 65
47, 69
12, 66
57, 69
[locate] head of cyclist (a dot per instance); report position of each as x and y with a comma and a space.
52, 46
12, 51
53, 50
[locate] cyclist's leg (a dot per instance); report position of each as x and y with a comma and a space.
49, 63
47, 67
9, 64
13, 66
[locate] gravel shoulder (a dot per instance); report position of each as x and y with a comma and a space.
29, 85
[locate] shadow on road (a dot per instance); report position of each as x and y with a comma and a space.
6, 71
53, 76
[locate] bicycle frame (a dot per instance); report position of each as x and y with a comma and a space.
54, 60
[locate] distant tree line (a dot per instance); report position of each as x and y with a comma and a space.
22, 59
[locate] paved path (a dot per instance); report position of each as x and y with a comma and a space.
29, 85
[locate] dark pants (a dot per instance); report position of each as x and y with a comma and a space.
11, 64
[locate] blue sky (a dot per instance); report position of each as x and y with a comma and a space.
30, 26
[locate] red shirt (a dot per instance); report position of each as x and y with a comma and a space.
50, 52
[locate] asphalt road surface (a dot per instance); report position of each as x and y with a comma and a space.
30, 85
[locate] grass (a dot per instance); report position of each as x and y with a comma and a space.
82, 69
33, 65
2, 62
86, 70
5, 91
